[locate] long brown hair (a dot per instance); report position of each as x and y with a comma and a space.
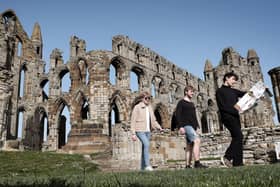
139, 98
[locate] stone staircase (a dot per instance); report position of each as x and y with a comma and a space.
87, 139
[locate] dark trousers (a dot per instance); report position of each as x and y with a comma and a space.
235, 150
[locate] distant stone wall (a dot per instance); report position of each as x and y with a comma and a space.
167, 150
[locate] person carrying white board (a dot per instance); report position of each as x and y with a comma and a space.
227, 97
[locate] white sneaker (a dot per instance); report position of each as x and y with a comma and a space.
149, 168
226, 162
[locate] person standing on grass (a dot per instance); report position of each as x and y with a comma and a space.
188, 125
142, 120
227, 97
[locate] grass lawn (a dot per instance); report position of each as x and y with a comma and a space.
38, 163
52, 169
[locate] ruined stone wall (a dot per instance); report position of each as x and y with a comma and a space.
168, 149
92, 97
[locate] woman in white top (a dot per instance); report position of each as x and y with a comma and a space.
142, 120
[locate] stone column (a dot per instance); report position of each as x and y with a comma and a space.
275, 79
5, 94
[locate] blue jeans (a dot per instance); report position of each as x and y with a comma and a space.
144, 137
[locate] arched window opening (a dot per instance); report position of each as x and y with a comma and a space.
19, 49
137, 53
45, 90
20, 125
85, 110
87, 76
157, 68
158, 117
208, 76
64, 127
9, 21
119, 48
178, 93
162, 116
114, 118
65, 82
173, 93
173, 75
6, 22
134, 82
22, 81
113, 75
77, 51
157, 85
170, 97
38, 50
38, 131
83, 71
66, 113
55, 62
160, 88
204, 123
46, 129
153, 93
117, 72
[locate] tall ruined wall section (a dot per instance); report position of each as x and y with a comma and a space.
167, 79
18, 53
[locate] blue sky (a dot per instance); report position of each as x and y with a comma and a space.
186, 32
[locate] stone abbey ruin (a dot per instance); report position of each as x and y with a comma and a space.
31, 118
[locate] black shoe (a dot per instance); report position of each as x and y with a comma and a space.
199, 165
188, 167
239, 165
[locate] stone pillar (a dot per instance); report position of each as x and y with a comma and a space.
275, 79
5, 94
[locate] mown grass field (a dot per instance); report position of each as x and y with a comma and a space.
52, 169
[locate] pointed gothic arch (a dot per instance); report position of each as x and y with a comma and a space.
22, 80
80, 106
140, 74
61, 120
20, 123
162, 116
118, 108
35, 128
117, 72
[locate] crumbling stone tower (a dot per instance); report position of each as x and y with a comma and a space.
100, 107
